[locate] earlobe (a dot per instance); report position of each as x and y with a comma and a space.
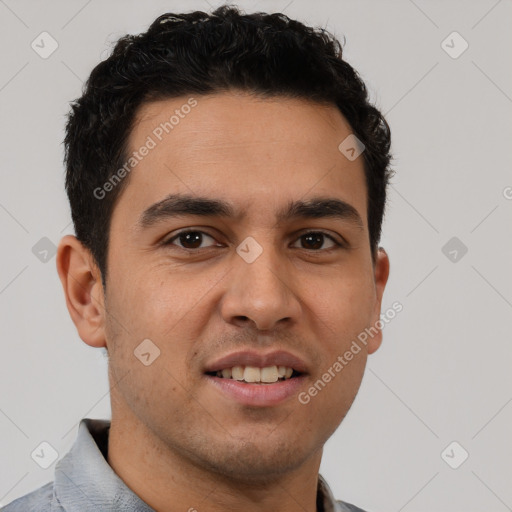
81, 282
381, 274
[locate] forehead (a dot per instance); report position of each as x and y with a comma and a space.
220, 116
244, 148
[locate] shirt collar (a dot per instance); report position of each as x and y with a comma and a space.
326, 498
85, 482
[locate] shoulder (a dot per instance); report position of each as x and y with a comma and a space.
347, 507
39, 500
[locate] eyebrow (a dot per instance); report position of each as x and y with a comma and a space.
179, 205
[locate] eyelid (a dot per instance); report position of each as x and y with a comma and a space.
338, 244
328, 234
169, 241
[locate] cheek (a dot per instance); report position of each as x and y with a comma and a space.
331, 392
147, 366
343, 303
155, 301
157, 312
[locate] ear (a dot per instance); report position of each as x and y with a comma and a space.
381, 274
81, 281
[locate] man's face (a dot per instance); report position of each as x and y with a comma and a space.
198, 299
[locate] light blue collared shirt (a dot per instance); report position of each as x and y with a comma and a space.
85, 482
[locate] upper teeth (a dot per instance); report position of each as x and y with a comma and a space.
255, 374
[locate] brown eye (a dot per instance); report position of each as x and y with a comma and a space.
314, 240
189, 239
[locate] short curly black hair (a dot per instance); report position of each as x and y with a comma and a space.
198, 53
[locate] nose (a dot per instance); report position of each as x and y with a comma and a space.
260, 293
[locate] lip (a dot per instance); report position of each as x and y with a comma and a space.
260, 395
258, 359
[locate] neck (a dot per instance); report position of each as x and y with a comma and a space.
171, 482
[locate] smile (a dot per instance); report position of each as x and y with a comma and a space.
255, 391
253, 374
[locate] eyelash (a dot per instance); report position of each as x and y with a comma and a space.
338, 245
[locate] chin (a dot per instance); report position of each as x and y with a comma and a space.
253, 462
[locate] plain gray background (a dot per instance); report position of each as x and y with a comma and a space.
443, 371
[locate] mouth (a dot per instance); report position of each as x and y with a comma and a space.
256, 375
256, 379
